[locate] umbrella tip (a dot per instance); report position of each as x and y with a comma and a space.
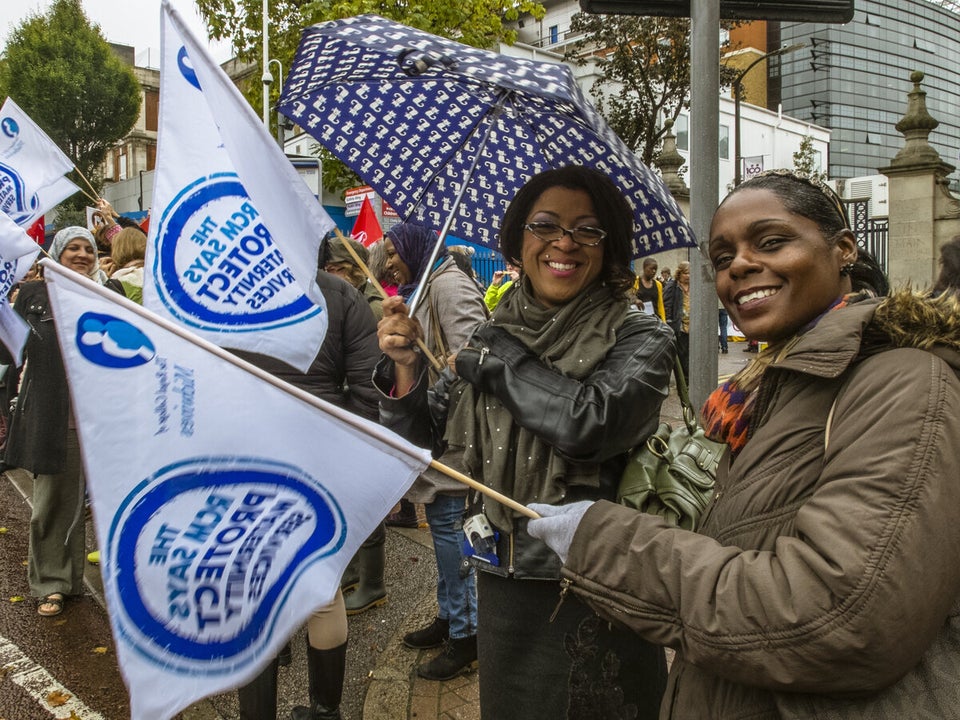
416, 62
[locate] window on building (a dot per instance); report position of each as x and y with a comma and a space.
151, 157
151, 104
724, 142
554, 34
681, 128
122, 165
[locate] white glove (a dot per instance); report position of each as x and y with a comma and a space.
557, 524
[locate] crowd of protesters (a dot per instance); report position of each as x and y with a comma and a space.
822, 585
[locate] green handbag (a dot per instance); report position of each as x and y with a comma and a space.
672, 474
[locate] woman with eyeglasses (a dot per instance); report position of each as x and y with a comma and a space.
543, 404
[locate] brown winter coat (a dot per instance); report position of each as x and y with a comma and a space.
824, 580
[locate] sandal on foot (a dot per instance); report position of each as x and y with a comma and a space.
55, 603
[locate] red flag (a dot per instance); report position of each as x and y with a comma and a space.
37, 231
366, 230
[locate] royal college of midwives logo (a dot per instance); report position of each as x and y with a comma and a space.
110, 342
214, 545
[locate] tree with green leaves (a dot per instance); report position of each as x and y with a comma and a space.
806, 162
478, 23
644, 73
59, 68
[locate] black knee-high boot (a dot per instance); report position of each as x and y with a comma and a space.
325, 671
258, 698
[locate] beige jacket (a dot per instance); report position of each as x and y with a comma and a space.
826, 578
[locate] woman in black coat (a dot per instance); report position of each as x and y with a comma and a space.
43, 435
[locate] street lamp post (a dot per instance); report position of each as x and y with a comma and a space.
267, 78
737, 92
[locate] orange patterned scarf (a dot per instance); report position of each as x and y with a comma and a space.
727, 412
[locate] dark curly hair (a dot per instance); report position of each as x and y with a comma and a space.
949, 277
611, 208
817, 202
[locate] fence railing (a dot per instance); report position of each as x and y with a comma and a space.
873, 234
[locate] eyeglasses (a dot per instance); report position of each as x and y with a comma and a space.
585, 235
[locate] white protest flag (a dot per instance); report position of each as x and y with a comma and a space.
17, 253
236, 234
227, 503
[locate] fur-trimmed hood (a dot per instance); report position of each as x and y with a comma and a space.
911, 319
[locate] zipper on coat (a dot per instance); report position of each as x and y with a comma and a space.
565, 584
510, 567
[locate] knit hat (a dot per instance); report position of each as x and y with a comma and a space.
64, 238
337, 253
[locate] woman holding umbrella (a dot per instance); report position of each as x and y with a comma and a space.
544, 402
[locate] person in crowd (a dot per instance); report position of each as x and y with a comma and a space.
462, 255
948, 280
649, 291
378, 267
42, 438
665, 275
723, 321
822, 581
340, 374
676, 301
363, 577
340, 262
128, 250
450, 308
502, 281
544, 403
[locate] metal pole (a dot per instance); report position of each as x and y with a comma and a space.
704, 191
493, 114
280, 133
738, 168
267, 77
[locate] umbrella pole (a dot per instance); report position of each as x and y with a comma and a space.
437, 365
441, 240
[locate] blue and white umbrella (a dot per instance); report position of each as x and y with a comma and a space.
447, 133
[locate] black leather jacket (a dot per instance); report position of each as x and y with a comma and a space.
595, 420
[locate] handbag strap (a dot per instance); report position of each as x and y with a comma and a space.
689, 414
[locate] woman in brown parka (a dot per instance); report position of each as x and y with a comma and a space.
823, 581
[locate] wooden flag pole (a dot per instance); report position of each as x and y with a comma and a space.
481, 488
437, 365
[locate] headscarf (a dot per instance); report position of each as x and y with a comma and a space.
413, 244
75, 232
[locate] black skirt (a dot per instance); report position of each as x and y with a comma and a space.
578, 666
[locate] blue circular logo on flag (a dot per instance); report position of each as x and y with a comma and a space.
9, 127
217, 266
110, 342
14, 199
209, 550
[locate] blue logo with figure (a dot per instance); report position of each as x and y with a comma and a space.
183, 62
205, 553
15, 201
9, 127
110, 342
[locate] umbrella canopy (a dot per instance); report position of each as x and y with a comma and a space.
447, 133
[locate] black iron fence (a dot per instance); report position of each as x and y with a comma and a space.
873, 234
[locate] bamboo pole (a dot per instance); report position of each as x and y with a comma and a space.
84, 177
481, 488
437, 365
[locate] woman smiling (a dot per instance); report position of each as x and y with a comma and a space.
545, 401
822, 582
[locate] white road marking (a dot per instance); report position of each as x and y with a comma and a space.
39, 684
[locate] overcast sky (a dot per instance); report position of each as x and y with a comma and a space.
129, 22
